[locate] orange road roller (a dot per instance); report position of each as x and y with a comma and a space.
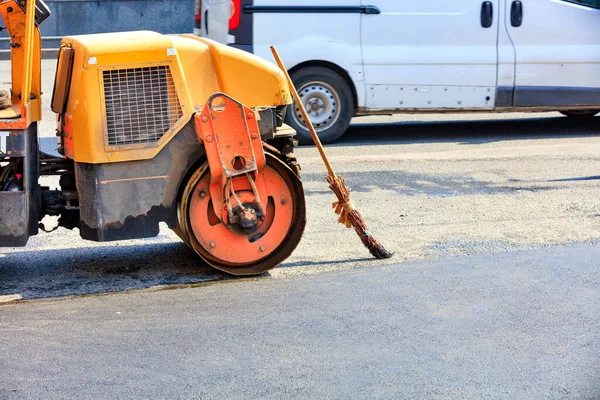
151, 128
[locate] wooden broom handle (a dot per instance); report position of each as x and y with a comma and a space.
307, 121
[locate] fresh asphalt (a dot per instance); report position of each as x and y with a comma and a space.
520, 325
429, 186
517, 321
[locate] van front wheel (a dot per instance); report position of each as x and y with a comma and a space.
328, 101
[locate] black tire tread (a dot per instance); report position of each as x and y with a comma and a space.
306, 74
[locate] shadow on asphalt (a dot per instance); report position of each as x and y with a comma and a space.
35, 274
468, 132
435, 185
328, 262
581, 178
100, 269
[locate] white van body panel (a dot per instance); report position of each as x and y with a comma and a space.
343, 55
436, 55
429, 54
333, 38
506, 51
557, 45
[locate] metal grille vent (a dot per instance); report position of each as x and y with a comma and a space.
141, 104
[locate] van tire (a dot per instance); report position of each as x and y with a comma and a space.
333, 101
580, 113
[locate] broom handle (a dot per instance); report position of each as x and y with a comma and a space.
307, 121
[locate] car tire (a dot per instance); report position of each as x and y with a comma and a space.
580, 113
328, 100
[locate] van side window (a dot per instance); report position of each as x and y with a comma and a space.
589, 3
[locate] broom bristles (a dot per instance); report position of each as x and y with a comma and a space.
350, 217
360, 226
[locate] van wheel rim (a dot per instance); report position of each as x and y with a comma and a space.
322, 104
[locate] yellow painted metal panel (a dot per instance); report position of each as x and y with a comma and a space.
198, 69
252, 80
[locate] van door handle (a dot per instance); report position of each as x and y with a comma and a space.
516, 14
487, 14
206, 21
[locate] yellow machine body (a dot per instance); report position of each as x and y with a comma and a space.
192, 68
152, 129
150, 120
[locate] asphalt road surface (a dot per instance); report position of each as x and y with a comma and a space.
492, 293
429, 186
521, 325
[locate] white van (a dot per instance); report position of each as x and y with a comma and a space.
359, 57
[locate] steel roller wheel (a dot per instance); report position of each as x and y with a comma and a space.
230, 248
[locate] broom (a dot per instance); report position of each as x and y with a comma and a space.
349, 216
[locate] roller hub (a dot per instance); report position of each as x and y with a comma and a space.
257, 238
